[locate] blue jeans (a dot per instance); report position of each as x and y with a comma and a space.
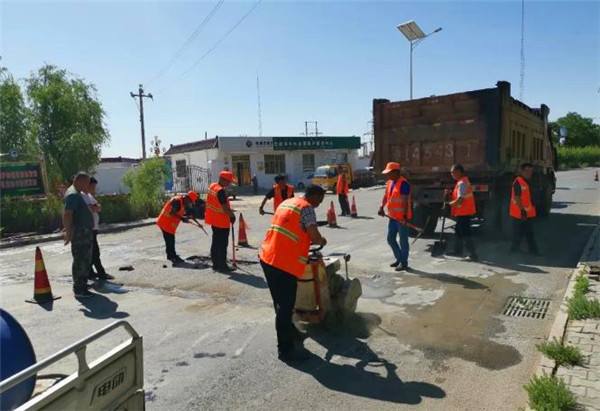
401, 250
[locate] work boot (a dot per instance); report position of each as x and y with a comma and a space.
394, 265
294, 355
402, 267
177, 261
105, 277
298, 335
224, 269
83, 294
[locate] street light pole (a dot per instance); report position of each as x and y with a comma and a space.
414, 35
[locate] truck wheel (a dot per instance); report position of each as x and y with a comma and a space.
420, 216
543, 209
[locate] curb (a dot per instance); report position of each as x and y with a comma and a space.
53, 237
559, 326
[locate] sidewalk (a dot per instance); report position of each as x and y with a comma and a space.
42, 238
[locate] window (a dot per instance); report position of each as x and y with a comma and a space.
181, 168
274, 163
308, 162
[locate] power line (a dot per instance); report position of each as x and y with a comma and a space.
188, 42
218, 42
522, 80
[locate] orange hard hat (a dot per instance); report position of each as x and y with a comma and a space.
227, 175
391, 166
192, 195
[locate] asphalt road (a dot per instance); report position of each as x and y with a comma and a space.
433, 338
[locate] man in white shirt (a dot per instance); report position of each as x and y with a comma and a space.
88, 196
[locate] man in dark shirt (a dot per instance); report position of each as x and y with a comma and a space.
523, 210
78, 224
280, 181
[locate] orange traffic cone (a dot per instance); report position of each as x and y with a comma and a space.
242, 239
596, 176
331, 219
353, 211
42, 292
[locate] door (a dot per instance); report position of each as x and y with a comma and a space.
241, 169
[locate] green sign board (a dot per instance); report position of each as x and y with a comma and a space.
316, 143
17, 179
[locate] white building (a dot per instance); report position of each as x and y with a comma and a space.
297, 157
110, 172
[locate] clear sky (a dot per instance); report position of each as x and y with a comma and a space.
319, 60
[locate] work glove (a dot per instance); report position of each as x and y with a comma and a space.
232, 219
523, 214
381, 212
261, 211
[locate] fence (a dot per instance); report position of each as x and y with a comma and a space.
191, 177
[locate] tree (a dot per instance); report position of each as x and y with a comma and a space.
581, 130
13, 117
146, 184
67, 122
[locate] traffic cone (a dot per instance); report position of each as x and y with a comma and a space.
242, 239
596, 176
353, 211
42, 292
331, 219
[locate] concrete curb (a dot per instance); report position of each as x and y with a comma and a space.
110, 228
559, 327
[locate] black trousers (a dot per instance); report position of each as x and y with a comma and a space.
344, 205
218, 248
463, 235
169, 245
523, 228
96, 263
283, 291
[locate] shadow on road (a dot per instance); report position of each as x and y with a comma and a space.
450, 279
100, 308
246, 277
372, 376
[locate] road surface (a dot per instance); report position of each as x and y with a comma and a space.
433, 338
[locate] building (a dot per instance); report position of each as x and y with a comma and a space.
297, 157
110, 172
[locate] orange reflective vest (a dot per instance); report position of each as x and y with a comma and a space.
515, 211
286, 244
467, 207
397, 207
166, 220
342, 187
278, 198
215, 215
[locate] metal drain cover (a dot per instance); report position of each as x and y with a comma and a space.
526, 307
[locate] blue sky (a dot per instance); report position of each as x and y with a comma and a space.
320, 60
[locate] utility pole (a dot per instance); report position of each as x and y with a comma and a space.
141, 96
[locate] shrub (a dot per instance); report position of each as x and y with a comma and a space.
581, 307
574, 157
548, 393
24, 215
146, 184
562, 355
115, 208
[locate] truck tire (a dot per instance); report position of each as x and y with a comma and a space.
420, 215
545, 205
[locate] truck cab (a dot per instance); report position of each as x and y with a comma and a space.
327, 176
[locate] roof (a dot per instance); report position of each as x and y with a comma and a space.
193, 146
119, 160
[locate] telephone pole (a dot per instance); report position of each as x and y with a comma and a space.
141, 96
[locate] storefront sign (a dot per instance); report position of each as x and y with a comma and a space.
21, 179
315, 143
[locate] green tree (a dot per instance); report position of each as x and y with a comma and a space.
146, 184
582, 131
67, 122
13, 117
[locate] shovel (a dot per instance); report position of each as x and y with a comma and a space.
418, 229
439, 247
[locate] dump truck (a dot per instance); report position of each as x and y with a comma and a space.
487, 131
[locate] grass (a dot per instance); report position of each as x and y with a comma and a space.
582, 283
581, 307
574, 157
548, 393
561, 354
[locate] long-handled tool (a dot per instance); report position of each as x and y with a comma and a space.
439, 247
200, 226
234, 263
418, 229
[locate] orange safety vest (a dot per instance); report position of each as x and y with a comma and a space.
215, 215
278, 198
467, 207
397, 209
166, 220
286, 244
341, 184
515, 211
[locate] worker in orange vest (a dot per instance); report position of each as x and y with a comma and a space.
462, 208
522, 210
397, 198
220, 217
174, 212
342, 191
284, 256
280, 192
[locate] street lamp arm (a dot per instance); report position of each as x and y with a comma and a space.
416, 42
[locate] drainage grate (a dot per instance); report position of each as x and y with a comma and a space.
526, 307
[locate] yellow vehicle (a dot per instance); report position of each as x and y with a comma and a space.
327, 176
